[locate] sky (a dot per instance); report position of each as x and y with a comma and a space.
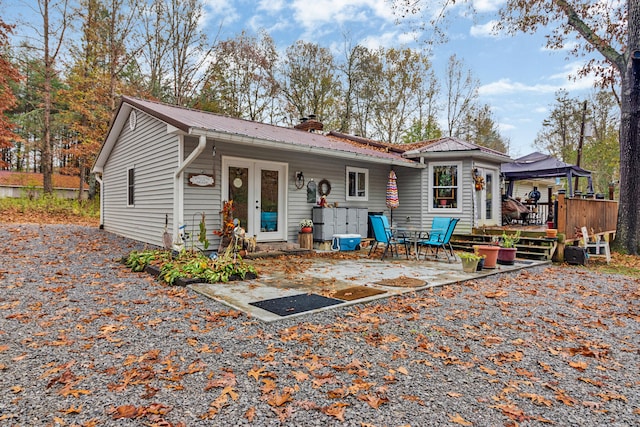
518, 76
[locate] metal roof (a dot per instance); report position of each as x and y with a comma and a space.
191, 121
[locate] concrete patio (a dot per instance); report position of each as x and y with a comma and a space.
327, 276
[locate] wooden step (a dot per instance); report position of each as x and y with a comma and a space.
531, 247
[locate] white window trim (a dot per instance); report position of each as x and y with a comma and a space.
352, 169
132, 168
459, 187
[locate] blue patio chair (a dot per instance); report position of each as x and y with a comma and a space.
383, 235
440, 236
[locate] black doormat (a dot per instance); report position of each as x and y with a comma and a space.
286, 306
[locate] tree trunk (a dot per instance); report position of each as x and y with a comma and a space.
83, 170
46, 162
628, 230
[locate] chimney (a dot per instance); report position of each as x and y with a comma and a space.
309, 124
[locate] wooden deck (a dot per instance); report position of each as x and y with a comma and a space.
599, 216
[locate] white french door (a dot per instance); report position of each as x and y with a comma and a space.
258, 190
489, 198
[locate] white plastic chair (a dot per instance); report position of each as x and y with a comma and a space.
598, 244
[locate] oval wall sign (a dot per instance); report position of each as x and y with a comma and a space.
201, 180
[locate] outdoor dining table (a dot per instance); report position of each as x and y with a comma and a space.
412, 234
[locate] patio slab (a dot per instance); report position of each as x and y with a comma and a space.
327, 276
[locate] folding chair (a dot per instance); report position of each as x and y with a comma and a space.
440, 236
384, 235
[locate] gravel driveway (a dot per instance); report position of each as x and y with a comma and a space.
85, 342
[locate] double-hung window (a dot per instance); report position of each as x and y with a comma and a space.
357, 184
445, 185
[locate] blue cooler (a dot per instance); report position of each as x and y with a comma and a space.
345, 242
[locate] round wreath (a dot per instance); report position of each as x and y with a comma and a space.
324, 187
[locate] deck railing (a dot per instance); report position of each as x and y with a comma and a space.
599, 216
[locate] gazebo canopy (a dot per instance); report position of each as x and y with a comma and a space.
539, 165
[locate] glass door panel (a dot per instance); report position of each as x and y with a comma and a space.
269, 200
488, 196
239, 193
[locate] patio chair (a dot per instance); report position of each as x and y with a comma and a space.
440, 236
384, 235
598, 244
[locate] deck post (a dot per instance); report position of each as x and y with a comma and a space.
561, 214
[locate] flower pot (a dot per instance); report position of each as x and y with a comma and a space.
490, 253
552, 233
469, 265
480, 264
507, 256
306, 230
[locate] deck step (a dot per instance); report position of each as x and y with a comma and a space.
529, 247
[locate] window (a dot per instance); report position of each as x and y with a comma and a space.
357, 184
444, 181
130, 186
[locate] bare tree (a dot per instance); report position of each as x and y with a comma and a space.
308, 82
241, 80
461, 92
396, 92
190, 49
55, 21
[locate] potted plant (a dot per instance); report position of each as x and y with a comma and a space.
469, 261
306, 226
490, 254
507, 252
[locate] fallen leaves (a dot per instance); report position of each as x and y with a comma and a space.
517, 351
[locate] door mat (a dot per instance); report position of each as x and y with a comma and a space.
357, 292
286, 306
402, 282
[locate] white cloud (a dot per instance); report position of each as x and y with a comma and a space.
313, 14
506, 127
483, 30
382, 40
487, 5
566, 78
219, 11
506, 86
555, 82
272, 6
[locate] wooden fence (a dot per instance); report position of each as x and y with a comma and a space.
599, 216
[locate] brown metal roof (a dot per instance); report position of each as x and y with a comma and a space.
448, 144
188, 120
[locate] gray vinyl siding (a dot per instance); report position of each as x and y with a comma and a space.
313, 166
410, 190
202, 200
153, 154
414, 196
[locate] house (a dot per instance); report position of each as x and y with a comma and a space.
30, 184
163, 167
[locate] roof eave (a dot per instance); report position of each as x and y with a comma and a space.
476, 154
